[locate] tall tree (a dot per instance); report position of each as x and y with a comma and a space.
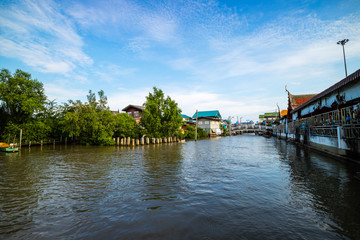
161, 117
91, 122
20, 95
22, 99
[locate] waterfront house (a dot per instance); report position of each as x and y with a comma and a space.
209, 121
134, 111
187, 120
330, 120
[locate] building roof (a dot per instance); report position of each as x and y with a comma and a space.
185, 116
272, 114
297, 100
210, 114
141, 108
355, 76
283, 113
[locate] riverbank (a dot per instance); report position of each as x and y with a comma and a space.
335, 147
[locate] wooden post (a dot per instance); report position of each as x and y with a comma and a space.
147, 141
137, 142
142, 141
165, 140
29, 144
118, 141
121, 141
20, 138
133, 142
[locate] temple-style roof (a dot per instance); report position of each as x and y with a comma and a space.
208, 114
297, 100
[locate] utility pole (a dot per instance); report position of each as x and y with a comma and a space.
342, 42
196, 124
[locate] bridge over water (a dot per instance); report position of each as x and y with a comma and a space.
241, 129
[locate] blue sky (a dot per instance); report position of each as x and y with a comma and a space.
232, 56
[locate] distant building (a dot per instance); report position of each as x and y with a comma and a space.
115, 112
187, 120
135, 111
209, 121
268, 117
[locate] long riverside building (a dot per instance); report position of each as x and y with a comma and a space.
329, 121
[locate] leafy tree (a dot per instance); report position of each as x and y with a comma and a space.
21, 100
21, 97
190, 133
126, 126
91, 122
161, 117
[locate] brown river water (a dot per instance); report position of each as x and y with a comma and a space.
239, 187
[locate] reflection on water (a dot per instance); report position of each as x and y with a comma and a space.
244, 187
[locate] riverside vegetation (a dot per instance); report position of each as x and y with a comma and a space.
24, 105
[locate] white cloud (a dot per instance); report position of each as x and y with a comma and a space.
61, 92
112, 72
37, 34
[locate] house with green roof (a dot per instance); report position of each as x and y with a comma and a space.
185, 117
209, 121
268, 117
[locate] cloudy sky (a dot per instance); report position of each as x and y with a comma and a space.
235, 56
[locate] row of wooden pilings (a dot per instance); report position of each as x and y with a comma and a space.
124, 141
145, 141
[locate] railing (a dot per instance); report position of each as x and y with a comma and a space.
324, 131
351, 131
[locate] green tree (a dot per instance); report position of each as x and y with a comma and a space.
161, 117
91, 122
22, 100
190, 133
126, 126
21, 97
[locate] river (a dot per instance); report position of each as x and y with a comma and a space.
239, 187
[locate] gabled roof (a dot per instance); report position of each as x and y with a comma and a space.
209, 114
297, 100
141, 108
185, 116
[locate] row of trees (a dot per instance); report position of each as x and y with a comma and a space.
24, 105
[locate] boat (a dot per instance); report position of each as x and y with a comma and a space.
4, 147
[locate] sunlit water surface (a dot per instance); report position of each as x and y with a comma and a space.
240, 187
